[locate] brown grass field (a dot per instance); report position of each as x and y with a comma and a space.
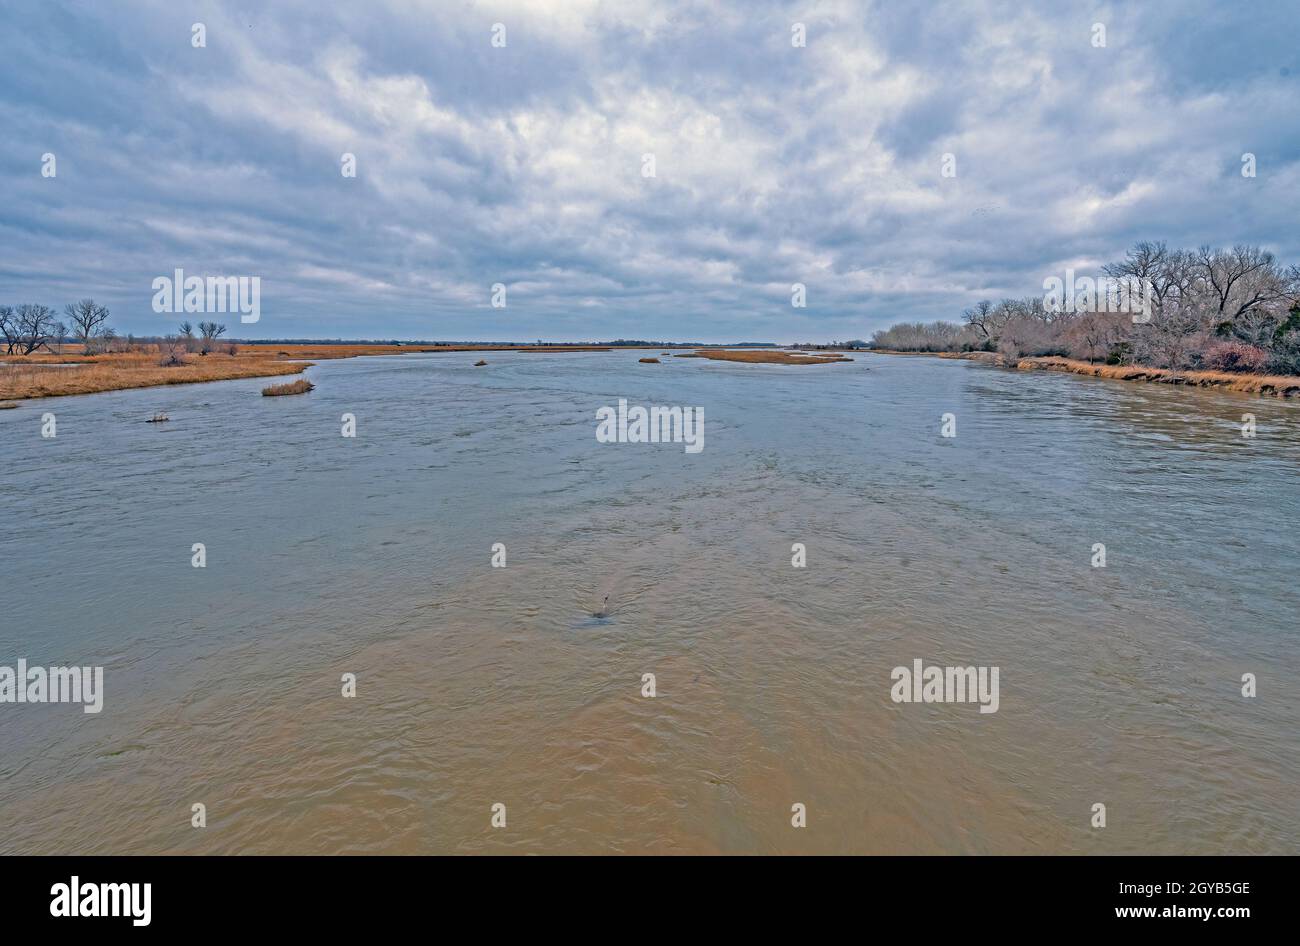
41, 377
37, 375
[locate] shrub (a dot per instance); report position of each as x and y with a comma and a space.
1234, 356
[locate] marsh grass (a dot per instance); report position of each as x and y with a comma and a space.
301, 386
1263, 384
1278, 385
768, 356
41, 376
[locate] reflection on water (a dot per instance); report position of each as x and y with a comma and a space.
478, 685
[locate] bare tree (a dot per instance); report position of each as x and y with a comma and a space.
978, 318
171, 347
210, 331
9, 328
1095, 335
35, 327
58, 332
1240, 279
87, 321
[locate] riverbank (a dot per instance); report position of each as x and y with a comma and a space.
53, 376
1260, 384
24, 377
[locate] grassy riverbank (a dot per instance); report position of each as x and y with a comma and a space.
53, 376
1261, 384
63, 373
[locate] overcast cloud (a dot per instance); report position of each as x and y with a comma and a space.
523, 165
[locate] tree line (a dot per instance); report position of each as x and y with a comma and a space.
1211, 309
28, 328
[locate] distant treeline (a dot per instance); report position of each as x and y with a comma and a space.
1212, 309
27, 328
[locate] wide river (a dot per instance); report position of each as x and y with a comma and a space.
477, 685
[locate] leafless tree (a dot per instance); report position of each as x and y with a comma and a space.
1240, 279
977, 318
9, 328
210, 331
87, 321
172, 348
1094, 336
36, 327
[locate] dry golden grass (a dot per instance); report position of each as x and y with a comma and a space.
40, 377
31, 376
988, 357
301, 386
767, 356
1278, 385
71, 354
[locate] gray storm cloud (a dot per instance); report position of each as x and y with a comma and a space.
523, 164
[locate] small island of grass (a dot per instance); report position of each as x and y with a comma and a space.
769, 356
301, 386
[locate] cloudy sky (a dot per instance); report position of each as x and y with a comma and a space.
523, 165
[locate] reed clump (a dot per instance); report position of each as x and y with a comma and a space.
301, 386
